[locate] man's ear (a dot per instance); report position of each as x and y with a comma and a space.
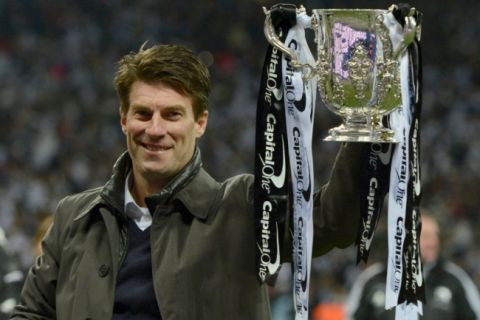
123, 120
201, 123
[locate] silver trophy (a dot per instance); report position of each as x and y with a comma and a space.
357, 67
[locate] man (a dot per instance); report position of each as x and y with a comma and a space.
450, 293
162, 239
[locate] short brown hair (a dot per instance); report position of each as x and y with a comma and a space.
173, 65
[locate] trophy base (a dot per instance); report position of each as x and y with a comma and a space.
376, 134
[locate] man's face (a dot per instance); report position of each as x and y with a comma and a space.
429, 240
161, 131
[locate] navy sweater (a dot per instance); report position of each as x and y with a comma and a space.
134, 293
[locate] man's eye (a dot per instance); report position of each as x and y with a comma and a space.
142, 114
174, 115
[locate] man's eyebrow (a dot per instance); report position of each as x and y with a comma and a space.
175, 107
138, 106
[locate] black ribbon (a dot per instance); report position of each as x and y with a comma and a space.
375, 179
271, 154
413, 287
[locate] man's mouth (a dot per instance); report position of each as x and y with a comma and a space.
155, 148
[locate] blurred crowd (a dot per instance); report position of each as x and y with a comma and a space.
59, 124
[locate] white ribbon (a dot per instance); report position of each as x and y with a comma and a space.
300, 95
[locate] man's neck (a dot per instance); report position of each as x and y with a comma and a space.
140, 188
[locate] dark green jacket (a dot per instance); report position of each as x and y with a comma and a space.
202, 245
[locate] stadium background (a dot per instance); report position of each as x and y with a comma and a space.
59, 129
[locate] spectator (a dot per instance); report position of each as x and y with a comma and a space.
450, 293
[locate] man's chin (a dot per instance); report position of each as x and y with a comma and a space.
155, 174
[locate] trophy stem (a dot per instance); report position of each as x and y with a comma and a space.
357, 129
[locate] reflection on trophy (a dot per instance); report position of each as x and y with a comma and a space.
358, 68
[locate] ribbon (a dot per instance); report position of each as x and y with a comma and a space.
413, 290
398, 174
404, 271
300, 96
284, 131
271, 162
375, 180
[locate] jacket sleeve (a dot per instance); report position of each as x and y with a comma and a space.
336, 212
37, 300
336, 207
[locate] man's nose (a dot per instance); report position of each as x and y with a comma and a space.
156, 126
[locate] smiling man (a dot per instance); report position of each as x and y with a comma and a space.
161, 130
162, 239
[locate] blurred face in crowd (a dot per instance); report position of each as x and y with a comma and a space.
161, 131
429, 240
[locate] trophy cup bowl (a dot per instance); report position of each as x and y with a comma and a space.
358, 70
358, 75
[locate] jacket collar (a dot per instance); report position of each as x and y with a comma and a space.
200, 195
112, 192
193, 187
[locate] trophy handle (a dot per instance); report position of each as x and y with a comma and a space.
273, 39
411, 30
308, 70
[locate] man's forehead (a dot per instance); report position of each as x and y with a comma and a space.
144, 90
